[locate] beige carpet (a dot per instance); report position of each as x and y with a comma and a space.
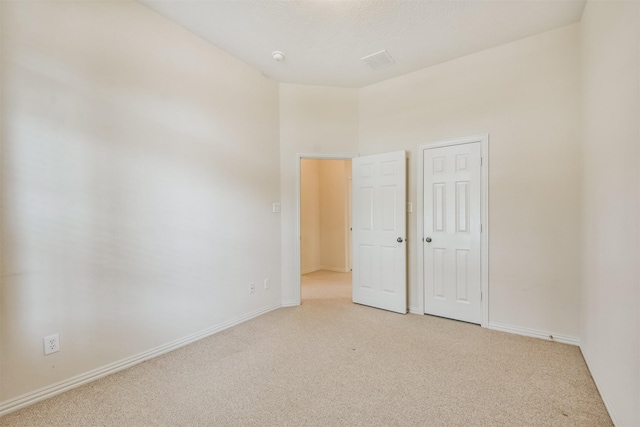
330, 362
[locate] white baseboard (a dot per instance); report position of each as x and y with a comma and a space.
595, 376
325, 268
73, 382
565, 339
336, 269
310, 270
414, 310
290, 303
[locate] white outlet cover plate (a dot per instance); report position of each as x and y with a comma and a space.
51, 344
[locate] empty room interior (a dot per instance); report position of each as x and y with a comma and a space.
339, 212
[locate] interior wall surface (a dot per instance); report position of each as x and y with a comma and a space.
313, 120
310, 235
139, 168
525, 96
610, 336
333, 214
1, 210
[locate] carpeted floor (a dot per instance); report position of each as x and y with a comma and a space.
330, 362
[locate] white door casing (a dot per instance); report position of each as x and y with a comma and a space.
452, 232
379, 231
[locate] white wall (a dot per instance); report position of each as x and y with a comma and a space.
318, 120
139, 168
1, 167
525, 95
310, 259
610, 336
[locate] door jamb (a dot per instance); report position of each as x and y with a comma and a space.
298, 159
484, 220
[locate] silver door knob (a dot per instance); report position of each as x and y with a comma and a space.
428, 239
399, 240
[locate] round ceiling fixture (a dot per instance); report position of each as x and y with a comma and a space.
277, 56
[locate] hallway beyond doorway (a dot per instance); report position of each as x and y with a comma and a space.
324, 284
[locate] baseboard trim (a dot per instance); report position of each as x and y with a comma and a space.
565, 339
290, 303
27, 399
325, 268
414, 310
336, 269
310, 270
594, 377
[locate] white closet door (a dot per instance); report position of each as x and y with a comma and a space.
452, 232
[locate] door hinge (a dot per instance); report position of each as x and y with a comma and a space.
480, 296
480, 161
481, 228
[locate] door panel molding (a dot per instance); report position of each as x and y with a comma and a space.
379, 231
418, 304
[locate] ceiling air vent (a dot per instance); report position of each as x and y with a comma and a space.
378, 59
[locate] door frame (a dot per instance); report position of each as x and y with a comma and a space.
484, 220
298, 160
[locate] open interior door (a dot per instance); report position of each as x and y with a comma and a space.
379, 231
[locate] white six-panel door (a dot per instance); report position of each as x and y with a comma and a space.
452, 234
379, 231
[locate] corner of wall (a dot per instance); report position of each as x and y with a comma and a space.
610, 282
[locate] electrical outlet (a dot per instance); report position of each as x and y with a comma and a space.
252, 288
267, 284
51, 344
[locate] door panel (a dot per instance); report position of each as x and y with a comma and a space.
452, 275
379, 219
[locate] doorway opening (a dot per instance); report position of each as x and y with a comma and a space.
324, 225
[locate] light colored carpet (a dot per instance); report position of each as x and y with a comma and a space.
330, 362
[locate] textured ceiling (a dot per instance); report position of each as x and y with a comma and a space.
324, 40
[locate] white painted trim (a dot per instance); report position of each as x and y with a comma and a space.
484, 220
19, 402
415, 310
603, 396
535, 333
484, 255
419, 209
296, 263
